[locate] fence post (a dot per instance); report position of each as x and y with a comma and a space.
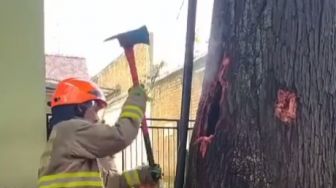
178, 134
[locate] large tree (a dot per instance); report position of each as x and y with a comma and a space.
267, 113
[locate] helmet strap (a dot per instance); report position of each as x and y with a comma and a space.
81, 108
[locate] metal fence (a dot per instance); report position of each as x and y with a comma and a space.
164, 139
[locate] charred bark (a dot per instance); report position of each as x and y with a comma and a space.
268, 97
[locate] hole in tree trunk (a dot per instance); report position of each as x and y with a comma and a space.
210, 111
213, 114
286, 106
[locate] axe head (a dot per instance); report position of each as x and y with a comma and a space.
130, 38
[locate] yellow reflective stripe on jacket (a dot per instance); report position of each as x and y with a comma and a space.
130, 115
69, 175
133, 107
74, 184
132, 178
73, 179
133, 112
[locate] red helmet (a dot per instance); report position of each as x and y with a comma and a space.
76, 91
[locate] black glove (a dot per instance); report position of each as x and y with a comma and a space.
150, 174
156, 172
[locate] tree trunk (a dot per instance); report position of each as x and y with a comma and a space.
268, 97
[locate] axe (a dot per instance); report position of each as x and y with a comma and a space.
127, 40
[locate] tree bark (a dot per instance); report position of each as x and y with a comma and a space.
260, 53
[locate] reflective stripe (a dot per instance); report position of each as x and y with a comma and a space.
135, 108
132, 178
74, 184
69, 175
131, 115
73, 179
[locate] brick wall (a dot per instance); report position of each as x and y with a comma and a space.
117, 74
167, 93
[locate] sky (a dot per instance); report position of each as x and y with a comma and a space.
78, 28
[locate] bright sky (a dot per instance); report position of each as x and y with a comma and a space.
78, 28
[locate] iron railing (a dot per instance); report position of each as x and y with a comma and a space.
164, 139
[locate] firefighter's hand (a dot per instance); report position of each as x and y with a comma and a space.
138, 91
144, 176
151, 174
156, 172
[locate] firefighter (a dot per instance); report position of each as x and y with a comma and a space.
79, 152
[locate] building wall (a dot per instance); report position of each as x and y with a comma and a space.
167, 93
117, 74
22, 119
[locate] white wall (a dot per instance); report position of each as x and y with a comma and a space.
22, 94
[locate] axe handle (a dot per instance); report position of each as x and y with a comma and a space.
129, 52
131, 62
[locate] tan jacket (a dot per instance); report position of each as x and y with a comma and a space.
112, 179
70, 157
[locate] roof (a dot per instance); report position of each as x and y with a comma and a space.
59, 67
198, 64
